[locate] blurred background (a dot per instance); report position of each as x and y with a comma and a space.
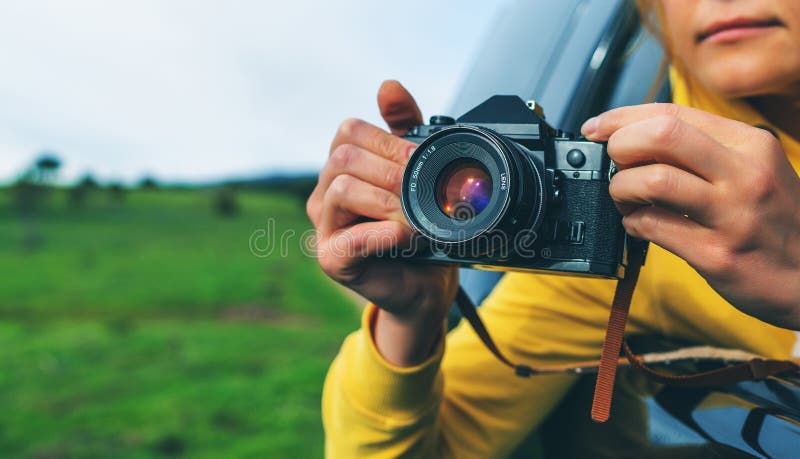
156, 299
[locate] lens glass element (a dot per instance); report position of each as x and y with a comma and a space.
464, 189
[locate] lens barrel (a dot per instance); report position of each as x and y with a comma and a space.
466, 181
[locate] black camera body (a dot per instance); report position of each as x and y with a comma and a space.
500, 189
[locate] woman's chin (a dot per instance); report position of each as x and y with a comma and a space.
746, 78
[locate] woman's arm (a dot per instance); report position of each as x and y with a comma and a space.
463, 402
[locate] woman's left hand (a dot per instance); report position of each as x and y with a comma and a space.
716, 192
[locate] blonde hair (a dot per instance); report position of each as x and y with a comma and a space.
651, 13
652, 16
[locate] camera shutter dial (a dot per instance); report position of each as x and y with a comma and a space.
441, 120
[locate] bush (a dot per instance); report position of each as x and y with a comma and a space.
225, 202
148, 183
88, 183
116, 192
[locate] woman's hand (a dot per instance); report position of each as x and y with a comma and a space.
355, 208
716, 192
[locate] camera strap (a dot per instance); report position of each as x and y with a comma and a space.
615, 331
750, 366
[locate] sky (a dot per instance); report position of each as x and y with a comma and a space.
205, 90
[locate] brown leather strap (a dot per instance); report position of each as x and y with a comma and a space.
754, 368
607, 366
470, 313
640, 361
615, 332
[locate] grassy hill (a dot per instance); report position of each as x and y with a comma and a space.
148, 327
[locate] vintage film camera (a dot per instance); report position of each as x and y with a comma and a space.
498, 188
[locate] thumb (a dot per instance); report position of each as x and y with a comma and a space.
397, 107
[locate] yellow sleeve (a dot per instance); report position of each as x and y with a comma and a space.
462, 402
373, 409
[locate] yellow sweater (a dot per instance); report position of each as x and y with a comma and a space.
463, 403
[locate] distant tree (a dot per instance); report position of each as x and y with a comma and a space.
46, 167
116, 191
225, 203
148, 183
80, 192
88, 182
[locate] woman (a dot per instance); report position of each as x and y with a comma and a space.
718, 197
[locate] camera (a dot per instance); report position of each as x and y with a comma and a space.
500, 189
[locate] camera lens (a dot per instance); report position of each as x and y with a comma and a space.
464, 189
466, 181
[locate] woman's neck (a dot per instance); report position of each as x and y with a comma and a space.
782, 110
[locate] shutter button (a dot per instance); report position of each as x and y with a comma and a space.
576, 158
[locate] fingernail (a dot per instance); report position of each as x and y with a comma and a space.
589, 127
410, 151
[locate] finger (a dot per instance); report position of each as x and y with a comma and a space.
341, 254
368, 239
669, 140
674, 232
663, 186
360, 133
364, 165
725, 131
349, 199
361, 164
398, 107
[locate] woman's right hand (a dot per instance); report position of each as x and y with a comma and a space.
355, 209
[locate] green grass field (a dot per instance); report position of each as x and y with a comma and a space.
148, 328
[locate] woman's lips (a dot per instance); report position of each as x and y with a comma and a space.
732, 30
